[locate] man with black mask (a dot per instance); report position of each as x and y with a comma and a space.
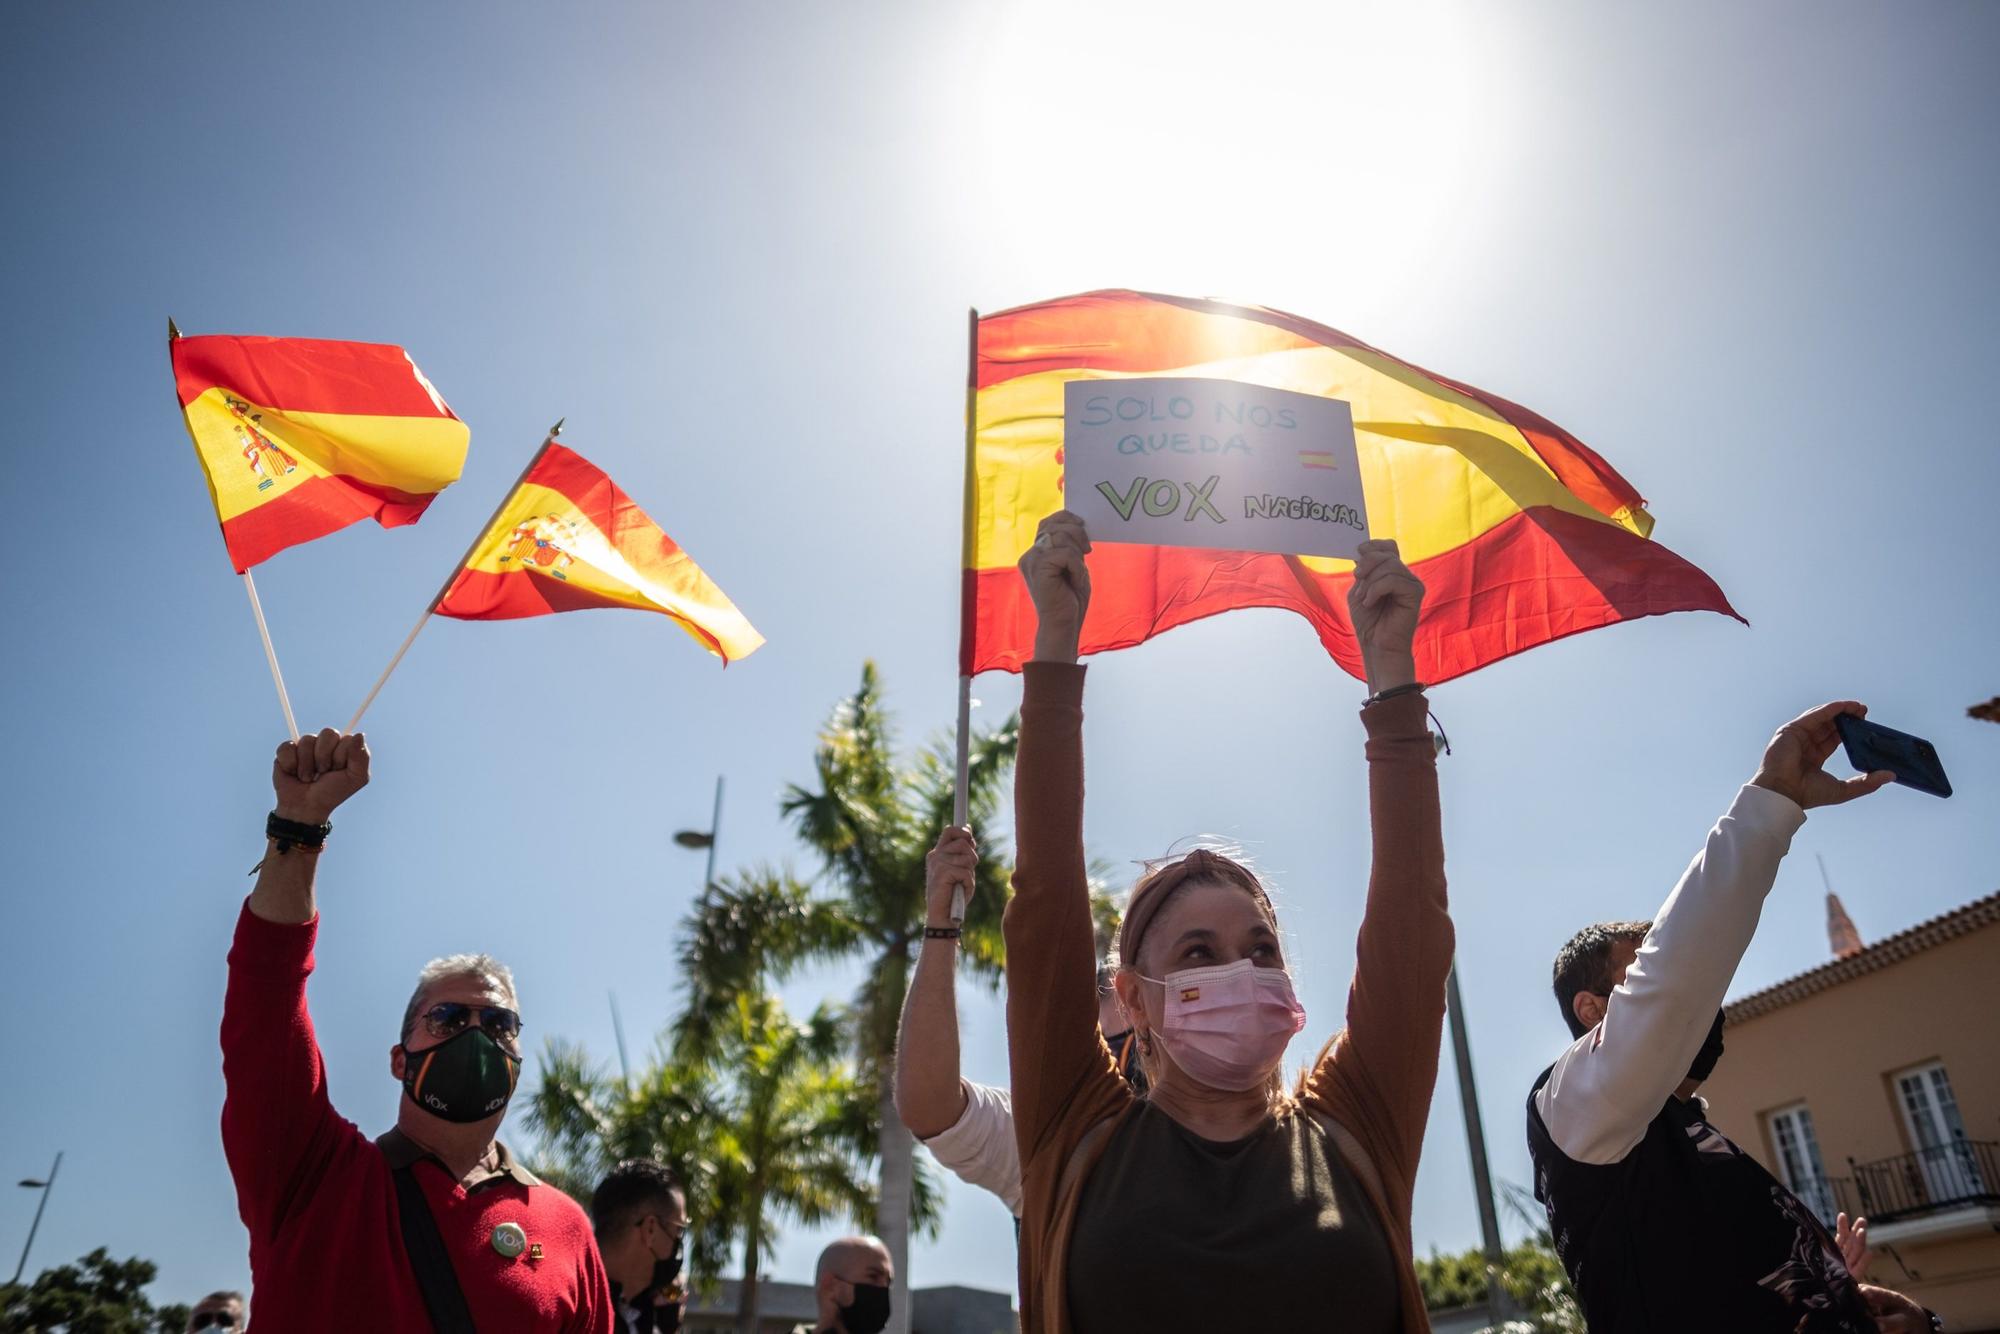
852, 1288
640, 1214
1662, 1223
969, 1127
434, 1225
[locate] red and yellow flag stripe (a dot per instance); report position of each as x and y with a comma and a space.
299, 437
569, 539
1521, 533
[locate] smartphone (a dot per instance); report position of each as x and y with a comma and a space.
1914, 761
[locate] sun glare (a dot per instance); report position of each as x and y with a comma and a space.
1219, 146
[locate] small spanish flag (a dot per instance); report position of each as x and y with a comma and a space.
568, 539
300, 437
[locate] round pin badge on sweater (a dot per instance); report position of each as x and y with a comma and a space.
510, 1239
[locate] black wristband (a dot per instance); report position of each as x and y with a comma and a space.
289, 834
943, 932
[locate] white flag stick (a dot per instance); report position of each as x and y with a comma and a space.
249, 584
959, 802
271, 655
961, 812
452, 578
381, 680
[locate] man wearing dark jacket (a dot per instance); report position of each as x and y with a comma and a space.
1664, 1225
640, 1214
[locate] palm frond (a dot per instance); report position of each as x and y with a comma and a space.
757, 926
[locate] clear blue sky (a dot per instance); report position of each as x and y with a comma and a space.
1747, 254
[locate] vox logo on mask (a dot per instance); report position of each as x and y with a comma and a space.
463, 1079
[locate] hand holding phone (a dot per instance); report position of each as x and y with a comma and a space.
1913, 760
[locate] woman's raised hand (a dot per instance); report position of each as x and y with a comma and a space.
1059, 584
1383, 605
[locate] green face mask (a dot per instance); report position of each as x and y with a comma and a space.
465, 1078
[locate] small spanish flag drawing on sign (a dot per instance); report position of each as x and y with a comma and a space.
568, 539
300, 437
1317, 458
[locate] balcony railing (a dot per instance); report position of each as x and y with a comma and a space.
1961, 1173
1827, 1197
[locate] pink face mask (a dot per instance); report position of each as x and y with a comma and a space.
1228, 1025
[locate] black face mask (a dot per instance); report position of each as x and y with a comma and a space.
463, 1079
1710, 1053
665, 1271
868, 1313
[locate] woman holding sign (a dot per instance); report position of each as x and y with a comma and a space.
1221, 1199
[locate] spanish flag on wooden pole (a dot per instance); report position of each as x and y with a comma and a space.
566, 538
1521, 533
300, 437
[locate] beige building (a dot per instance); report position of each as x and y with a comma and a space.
1872, 1085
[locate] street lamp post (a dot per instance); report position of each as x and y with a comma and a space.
1498, 1306
45, 1187
706, 838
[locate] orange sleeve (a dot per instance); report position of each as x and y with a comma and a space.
1381, 1070
1054, 1048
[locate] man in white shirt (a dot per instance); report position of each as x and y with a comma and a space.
968, 1127
1662, 1223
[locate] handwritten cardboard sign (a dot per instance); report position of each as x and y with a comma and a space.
1182, 462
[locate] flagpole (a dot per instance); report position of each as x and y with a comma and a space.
271, 655
618, 1029
249, 584
449, 579
961, 796
1498, 1307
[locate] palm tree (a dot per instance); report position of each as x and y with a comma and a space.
870, 821
744, 931
769, 1122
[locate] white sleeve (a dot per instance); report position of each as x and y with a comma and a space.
979, 1148
1607, 1088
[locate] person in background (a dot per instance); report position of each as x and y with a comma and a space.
639, 1213
218, 1310
1662, 1223
1224, 1198
851, 1284
352, 1233
967, 1126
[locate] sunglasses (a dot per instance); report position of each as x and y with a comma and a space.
219, 1319
447, 1018
680, 1238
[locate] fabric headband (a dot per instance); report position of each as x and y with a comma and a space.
1151, 894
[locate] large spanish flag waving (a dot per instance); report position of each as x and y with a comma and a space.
300, 437
1520, 532
569, 539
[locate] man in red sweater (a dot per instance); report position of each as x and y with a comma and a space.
320, 1199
